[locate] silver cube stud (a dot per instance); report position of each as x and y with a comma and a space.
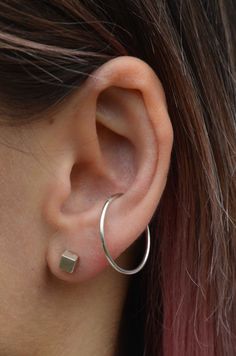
68, 261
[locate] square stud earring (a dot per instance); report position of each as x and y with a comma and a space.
68, 261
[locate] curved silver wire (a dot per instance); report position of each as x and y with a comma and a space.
108, 256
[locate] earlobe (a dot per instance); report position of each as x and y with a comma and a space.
120, 137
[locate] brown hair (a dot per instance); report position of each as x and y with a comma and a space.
186, 302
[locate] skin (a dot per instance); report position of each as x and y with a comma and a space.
113, 134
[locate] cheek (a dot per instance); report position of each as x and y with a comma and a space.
22, 240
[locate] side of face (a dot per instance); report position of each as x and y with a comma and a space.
113, 134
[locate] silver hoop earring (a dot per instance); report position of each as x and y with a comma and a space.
108, 256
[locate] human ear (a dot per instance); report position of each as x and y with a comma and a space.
112, 135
